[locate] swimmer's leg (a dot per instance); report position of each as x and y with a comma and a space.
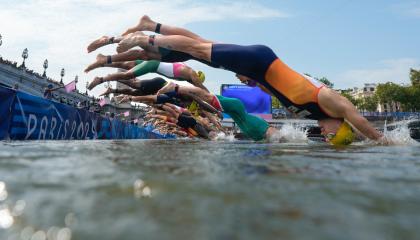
126, 91
145, 99
188, 90
147, 24
180, 43
107, 92
145, 67
111, 77
150, 51
133, 83
132, 55
171, 110
105, 61
103, 41
252, 126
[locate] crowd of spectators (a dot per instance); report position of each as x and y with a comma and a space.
91, 105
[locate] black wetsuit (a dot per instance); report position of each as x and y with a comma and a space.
187, 121
151, 86
172, 56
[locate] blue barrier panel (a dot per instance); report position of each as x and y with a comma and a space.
254, 99
6, 99
27, 117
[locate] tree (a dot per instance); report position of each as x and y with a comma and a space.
416, 98
347, 95
369, 104
415, 77
388, 92
275, 103
325, 81
410, 99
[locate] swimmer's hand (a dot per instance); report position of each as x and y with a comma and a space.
385, 141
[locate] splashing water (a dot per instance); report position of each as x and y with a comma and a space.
400, 135
225, 137
291, 134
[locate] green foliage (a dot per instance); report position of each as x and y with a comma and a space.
347, 95
408, 97
369, 104
415, 77
275, 103
388, 92
325, 81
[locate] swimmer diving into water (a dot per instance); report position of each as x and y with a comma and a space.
251, 126
300, 94
177, 70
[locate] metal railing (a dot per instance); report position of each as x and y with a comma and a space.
398, 115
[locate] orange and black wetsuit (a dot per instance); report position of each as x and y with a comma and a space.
296, 92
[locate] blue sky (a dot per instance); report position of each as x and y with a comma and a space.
349, 42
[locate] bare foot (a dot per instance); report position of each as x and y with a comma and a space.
96, 81
100, 62
131, 41
125, 99
118, 97
107, 92
145, 24
169, 87
103, 41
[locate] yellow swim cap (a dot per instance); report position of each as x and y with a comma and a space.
194, 108
344, 135
201, 76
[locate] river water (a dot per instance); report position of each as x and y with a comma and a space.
183, 189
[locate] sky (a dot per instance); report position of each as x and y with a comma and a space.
350, 42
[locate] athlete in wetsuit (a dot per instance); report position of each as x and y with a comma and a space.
174, 98
177, 70
183, 118
251, 126
139, 87
150, 52
301, 95
138, 68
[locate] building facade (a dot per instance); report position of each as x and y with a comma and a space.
368, 90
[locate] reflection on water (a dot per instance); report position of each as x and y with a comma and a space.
141, 189
152, 189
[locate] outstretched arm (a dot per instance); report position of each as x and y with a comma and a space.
214, 121
340, 107
360, 123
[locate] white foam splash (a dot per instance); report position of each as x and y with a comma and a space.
290, 134
221, 136
400, 135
